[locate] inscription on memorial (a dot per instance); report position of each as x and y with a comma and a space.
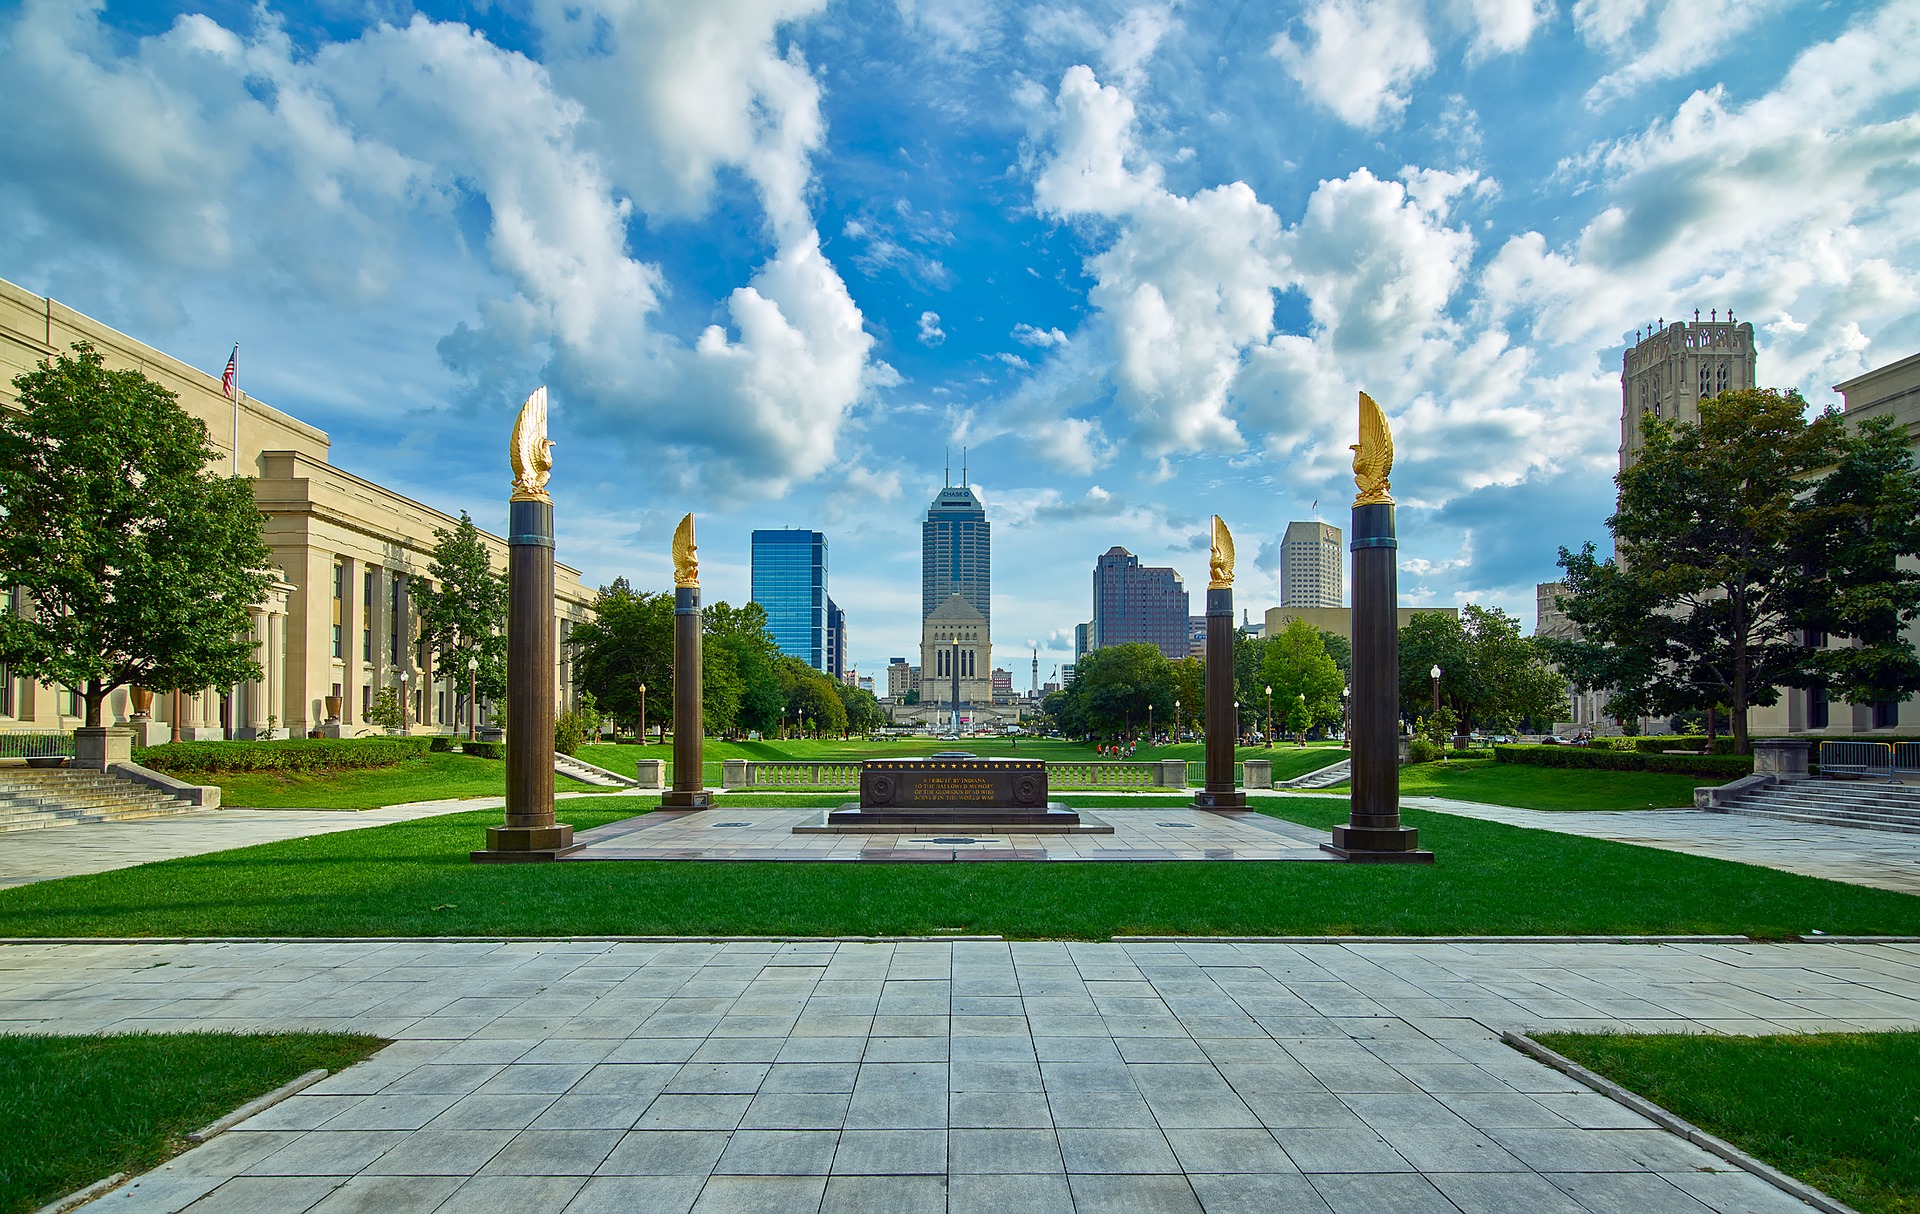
953, 784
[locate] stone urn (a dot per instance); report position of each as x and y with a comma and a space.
333, 710
142, 699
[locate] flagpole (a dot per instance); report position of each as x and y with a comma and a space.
236, 409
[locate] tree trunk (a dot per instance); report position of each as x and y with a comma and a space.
95, 695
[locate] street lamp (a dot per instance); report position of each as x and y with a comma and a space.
1346, 721
473, 700
1176, 720
1435, 675
404, 710
1269, 716
1236, 722
1303, 718
643, 714
1149, 724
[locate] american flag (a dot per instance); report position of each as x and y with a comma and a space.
227, 378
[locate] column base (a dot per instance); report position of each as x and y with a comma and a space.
686, 798
1368, 846
525, 844
1209, 799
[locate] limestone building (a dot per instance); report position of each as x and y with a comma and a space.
1670, 370
338, 625
1889, 391
1312, 566
1586, 710
956, 620
1339, 620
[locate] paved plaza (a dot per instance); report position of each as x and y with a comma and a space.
1882, 859
952, 1076
763, 833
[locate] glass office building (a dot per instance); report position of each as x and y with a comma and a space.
956, 553
790, 584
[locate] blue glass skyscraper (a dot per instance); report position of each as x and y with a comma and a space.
790, 584
956, 552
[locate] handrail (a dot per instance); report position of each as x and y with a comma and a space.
1863, 759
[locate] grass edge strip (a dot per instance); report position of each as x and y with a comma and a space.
1677, 1125
258, 1104
80, 1197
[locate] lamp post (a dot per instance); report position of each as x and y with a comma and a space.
1269, 716
1303, 717
643, 714
1149, 724
1435, 675
1346, 720
473, 699
1236, 722
1176, 720
405, 711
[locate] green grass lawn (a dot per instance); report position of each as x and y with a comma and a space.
414, 878
432, 777
1525, 787
74, 1110
1840, 1111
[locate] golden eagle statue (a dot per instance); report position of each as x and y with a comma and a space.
530, 452
686, 569
1220, 561
1372, 455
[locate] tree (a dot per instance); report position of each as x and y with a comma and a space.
1113, 689
463, 615
1432, 638
1734, 544
1489, 672
140, 563
863, 711
741, 633
1295, 664
1190, 689
629, 641
1340, 649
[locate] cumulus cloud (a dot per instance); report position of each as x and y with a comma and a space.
1028, 335
1661, 39
1357, 58
205, 149
931, 334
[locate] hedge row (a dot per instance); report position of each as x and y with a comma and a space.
1658, 743
302, 754
1725, 767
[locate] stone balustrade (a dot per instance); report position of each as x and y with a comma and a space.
1097, 775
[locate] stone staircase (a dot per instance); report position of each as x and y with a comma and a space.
587, 773
1867, 804
33, 798
1326, 777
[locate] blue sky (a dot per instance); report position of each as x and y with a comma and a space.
775, 257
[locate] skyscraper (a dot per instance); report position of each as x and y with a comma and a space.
956, 552
1669, 371
1310, 566
790, 584
836, 640
1134, 602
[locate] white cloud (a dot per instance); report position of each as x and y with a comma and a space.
931, 334
205, 150
1186, 286
1028, 335
1359, 57
1662, 39
1505, 26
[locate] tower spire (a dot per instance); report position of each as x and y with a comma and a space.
963, 467
949, 467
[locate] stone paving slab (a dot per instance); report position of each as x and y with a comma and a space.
767, 833
1877, 858
968, 1075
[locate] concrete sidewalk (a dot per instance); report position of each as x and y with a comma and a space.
962, 1076
1878, 858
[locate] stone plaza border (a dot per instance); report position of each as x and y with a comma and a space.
1676, 1124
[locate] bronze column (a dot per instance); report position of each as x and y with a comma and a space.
530, 833
1373, 831
689, 789
1223, 729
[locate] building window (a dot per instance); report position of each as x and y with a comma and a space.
1817, 708
366, 617
396, 594
1886, 714
366, 701
339, 606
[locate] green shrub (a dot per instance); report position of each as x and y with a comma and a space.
1424, 750
441, 744
304, 754
570, 730
484, 750
1726, 767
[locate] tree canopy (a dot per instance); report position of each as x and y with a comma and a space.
1740, 540
1489, 673
463, 614
1305, 679
140, 563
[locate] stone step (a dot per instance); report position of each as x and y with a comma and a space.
1809, 806
1905, 828
37, 798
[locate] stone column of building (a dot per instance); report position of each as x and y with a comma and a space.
276, 675
255, 693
